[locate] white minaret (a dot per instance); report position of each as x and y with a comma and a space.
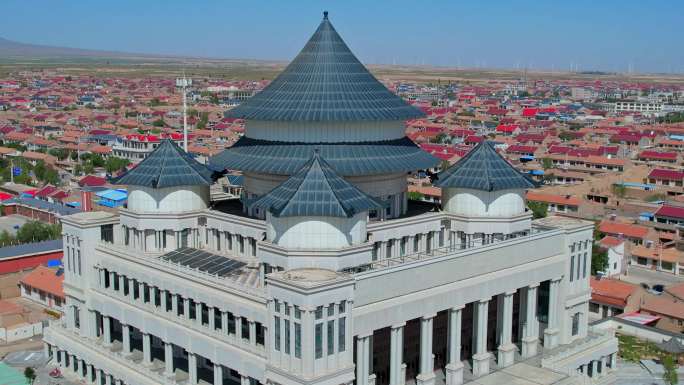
185, 115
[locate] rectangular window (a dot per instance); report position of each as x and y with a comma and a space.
331, 337
575, 324
341, 334
319, 340
579, 267
107, 233
297, 312
276, 326
342, 306
319, 312
584, 275
331, 310
78, 254
298, 340
277, 306
231, 323
572, 268
287, 337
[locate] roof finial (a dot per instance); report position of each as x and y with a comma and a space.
325, 15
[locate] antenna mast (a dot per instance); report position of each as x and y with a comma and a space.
185, 115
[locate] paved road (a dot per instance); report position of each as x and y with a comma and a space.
638, 275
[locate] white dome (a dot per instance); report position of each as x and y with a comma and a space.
168, 200
476, 203
316, 232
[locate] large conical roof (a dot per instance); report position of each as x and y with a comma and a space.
325, 82
316, 190
167, 166
483, 169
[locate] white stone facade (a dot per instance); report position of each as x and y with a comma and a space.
399, 299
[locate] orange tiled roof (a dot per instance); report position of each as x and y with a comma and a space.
611, 291
45, 279
629, 230
553, 198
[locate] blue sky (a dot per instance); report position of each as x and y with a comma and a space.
607, 35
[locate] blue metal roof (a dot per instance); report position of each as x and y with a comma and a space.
316, 190
347, 159
31, 248
42, 205
114, 195
167, 166
325, 82
483, 169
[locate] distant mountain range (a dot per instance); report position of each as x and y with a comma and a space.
13, 49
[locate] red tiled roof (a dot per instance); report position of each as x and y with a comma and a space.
615, 228
670, 211
610, 291
658, 155
658, 173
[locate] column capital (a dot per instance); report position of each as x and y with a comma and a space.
364, 335
457, 308
484, 300
533, 285
398, 325
428, 316
510, 292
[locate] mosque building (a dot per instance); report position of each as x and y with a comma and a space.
324, 272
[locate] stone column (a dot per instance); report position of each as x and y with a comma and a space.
92, 323
89, 373
481, 356
147, 348
186, 308
551, 332
218, 374
594, 369
427, 372
108, 379
530, 338
192, 368
396, 354
168, 359
174, 304
212, 317
98, 377
107, 330
122, 281
506, 348
224, 322
454, 368
362, 359
252, 333
126, 336
244, 380
613, 361
238, 328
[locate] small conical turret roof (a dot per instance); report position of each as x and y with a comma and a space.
316, 190
485, 170
325, 82
167, 166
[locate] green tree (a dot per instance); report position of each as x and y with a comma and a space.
6, 238
670, 366
159, 123
539, 209
35, 231
114, 164
566, 136
39, 170
547, 163
52, 177
415, 196
599, 260
30, 375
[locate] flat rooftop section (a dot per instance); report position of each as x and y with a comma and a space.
204, 261
89, 216
561, 222
525, 374
230, 206
308, 277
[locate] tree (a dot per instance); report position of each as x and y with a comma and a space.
670, 367
35, 231
547, 163
6, 238
159, 123
114, 164
39, 170
415, 196
539, 209
599, 260
30, 375
565, 136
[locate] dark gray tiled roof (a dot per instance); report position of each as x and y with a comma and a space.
325, 82
316, 190
348, 159
167, 166
30, 248
483, 169
43, 205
